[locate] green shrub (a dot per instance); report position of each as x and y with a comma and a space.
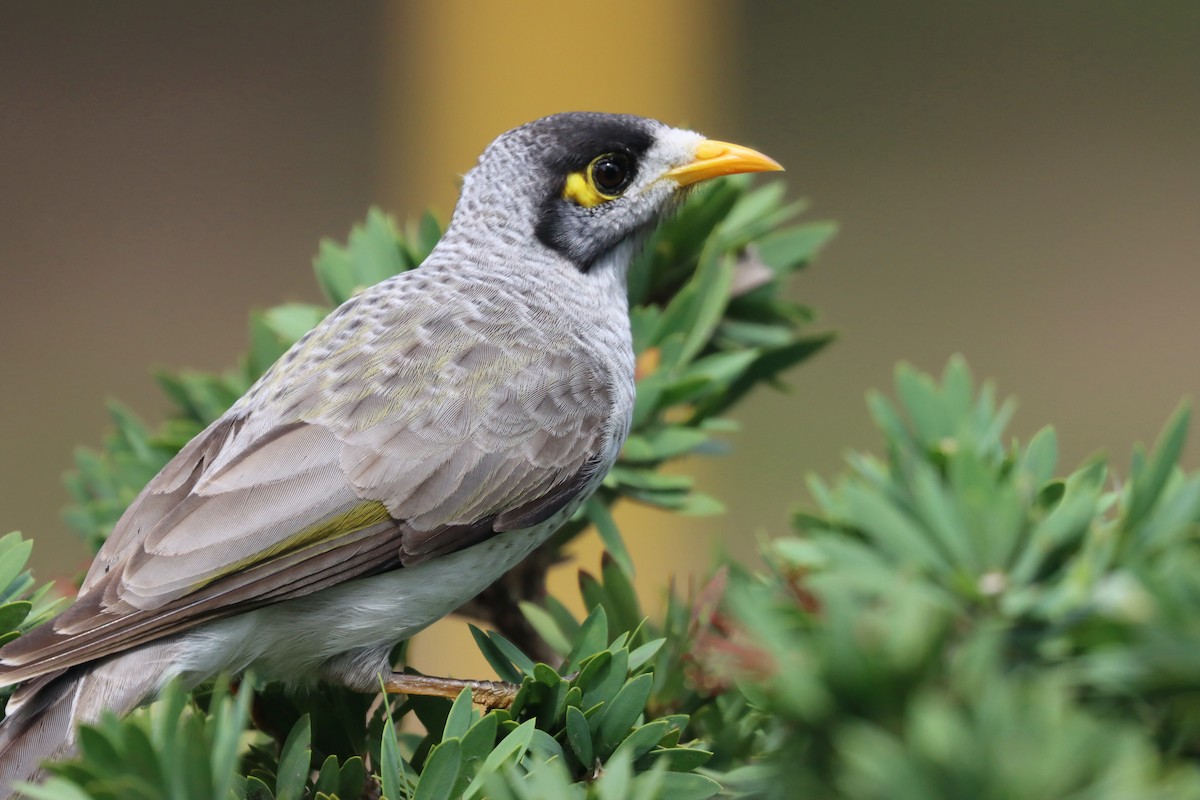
953, 619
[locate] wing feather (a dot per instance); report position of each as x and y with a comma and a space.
341, 464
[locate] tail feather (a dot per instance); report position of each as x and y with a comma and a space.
39, 729
44, 713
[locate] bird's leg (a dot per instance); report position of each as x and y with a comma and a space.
489, 694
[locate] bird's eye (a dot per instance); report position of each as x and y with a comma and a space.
611, 173
603, 180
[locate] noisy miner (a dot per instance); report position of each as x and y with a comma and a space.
423, 439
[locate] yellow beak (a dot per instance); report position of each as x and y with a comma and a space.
713, 159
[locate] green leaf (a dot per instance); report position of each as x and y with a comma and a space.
290, 321
609, 679
256, 789
513, 654
649, 399
391, 768
622, 600
495, 656
622, 712
54, 789
294, 762
615, 783
1170, 520
591, 671
610, 534
97, 748
510, 750
893, 529
591, 639
766, 367
272, 332
740, 333
719, 370
594, 596
14, 554
13, 614
546, 627
132, 432
428, 234
791, 247
478, 742
230, 717
648, 480
1040, 458
750, 208
643, 655
1148, 483
642, 322
353, 778
441, 771
924, 405
461, 717
563, 617
660, 445
712, 284
699, 504
328, 778
579, 736
642, 739
676, 759
689, 786
371, 255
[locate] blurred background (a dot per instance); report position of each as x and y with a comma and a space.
1018, 182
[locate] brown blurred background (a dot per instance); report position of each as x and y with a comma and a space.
1018, 182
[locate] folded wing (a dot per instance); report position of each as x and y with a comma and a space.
368, 457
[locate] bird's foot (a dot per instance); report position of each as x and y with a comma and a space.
489, 694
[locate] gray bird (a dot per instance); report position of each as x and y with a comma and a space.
418, 443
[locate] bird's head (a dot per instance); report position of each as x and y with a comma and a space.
580, 184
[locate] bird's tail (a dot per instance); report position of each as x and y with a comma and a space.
38, 727
44, 713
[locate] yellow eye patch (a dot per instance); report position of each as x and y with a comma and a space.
604, 179
580, 191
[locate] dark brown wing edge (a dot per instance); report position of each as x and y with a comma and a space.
360, 554
367, 552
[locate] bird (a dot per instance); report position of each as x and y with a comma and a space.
415, 445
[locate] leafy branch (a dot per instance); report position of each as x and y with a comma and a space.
956, 618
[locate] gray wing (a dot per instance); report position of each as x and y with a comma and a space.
387, 436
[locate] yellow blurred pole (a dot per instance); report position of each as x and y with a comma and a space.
458, 73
